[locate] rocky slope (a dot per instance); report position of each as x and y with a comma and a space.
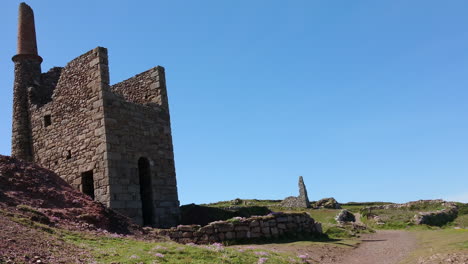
35, 202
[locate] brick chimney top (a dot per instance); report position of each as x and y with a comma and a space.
26, 31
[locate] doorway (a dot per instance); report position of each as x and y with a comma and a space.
87, 183
146, 192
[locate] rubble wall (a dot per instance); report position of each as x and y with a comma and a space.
270, 226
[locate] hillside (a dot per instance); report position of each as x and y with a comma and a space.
35, 201
44, 220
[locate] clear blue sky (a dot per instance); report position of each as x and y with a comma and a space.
368, 100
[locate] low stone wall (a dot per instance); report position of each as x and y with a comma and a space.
411, 204
434, 218
437, 218
272, 225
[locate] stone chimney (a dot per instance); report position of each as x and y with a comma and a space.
27, 75
26, 31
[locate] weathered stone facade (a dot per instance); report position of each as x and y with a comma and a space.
302, 201
112, 142
270, 226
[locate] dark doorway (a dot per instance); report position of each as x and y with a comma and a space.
87, 183
146, 192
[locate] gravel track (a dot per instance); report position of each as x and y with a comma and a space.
383, 247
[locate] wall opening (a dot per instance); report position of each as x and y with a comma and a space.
69, 154
146, 191
87, 183
47, 120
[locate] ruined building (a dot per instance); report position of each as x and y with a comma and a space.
301, 201
112, 142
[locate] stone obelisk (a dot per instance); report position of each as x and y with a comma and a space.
303, 198
27, 74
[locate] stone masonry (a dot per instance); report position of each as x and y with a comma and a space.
302, 201
113, 142
270, 226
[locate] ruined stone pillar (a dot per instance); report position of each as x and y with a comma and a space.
303, 198
27, 74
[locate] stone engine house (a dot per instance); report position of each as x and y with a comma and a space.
112, 142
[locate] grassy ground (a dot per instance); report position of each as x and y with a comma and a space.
356, 207
461, 221
393, 218
402, 218
442, 241
127, 250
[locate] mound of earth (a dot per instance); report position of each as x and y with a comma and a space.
29, 190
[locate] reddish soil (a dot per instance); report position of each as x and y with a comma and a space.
23, 183
22, 244
34, 196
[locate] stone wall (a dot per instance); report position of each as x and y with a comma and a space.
49, 80
74, 141
414, 204
273, 225
138, 126
106, 130
148, 87
437, 218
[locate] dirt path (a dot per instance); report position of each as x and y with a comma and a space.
383, 247
358, 218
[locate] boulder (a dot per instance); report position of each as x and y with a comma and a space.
345, 216
329, 203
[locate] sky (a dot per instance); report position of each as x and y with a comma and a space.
367, 100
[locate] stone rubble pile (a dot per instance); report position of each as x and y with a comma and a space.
345, 216
329, 203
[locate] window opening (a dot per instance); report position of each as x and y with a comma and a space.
47, 120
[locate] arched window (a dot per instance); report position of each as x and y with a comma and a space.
146, 192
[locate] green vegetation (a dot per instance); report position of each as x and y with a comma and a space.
462, 208
461, 221
35, 222
355, 207
127, 250
441, 241
426, 207
398, 218
392, 218
338, 232
122, 249
245, 202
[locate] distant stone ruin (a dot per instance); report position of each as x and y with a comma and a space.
302, 201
